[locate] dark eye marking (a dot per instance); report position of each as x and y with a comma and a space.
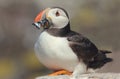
57, 13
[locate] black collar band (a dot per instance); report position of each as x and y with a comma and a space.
59, 32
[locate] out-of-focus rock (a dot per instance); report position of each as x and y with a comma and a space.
85, 76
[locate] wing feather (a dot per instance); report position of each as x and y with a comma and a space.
82, 46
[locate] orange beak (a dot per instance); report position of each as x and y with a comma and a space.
39, 16
41, 20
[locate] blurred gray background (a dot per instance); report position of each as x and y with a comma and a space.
99, 20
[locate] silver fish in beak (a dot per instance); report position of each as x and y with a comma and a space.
42, 20
45, 23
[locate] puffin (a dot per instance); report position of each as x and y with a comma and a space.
63, 50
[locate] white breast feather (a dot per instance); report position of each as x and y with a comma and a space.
54, 52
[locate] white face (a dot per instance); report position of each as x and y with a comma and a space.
58, 17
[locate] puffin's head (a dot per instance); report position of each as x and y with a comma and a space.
55, 17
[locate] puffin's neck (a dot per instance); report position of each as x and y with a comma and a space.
59, 32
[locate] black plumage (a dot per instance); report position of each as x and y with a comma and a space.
82, 47
100, 59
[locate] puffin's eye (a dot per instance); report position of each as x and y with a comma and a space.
57, 13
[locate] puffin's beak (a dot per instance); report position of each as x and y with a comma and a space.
41, 19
